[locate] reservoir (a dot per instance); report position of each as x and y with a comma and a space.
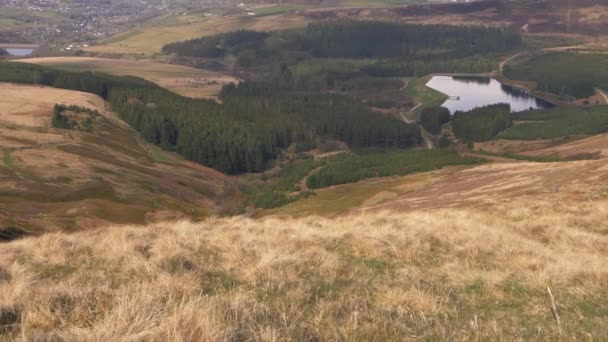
20, 52
469, 92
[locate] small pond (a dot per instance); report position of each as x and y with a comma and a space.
468, 92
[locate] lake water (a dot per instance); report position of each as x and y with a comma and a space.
467, 93
19, 51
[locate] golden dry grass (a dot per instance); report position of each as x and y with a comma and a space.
28, 105
459, 274
457, 187
596, 145
158, 32
180, 79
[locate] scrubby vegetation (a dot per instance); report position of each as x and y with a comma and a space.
350, 168
558, 122
565, 74
458, 274
74, 118
481, 124
284, 187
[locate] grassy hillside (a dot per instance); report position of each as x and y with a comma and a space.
53, 179
441, 275
151, 37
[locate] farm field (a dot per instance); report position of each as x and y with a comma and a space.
180, 79
150, 38
70, 179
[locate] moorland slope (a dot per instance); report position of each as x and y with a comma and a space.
526, 270
74, 179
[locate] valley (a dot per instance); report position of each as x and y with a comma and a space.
304, 170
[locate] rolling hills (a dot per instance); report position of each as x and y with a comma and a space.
332, 221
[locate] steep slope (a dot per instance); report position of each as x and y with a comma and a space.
73, 179
458, 274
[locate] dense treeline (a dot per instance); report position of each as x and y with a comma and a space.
352, 39
241, 135
325, 55
564, 73
89, 82
216, 46
331, 115
558, 122
351, 168
481, 124
433, 118
283, 188
332, 74
418, 67
233, 137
